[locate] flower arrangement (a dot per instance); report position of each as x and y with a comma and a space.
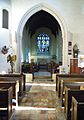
11, 59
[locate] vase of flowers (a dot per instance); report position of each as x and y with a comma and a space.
11, 59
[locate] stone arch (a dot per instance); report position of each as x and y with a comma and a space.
27, 15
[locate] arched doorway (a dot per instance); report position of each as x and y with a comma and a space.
25, 18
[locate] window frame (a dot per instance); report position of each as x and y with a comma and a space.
5, 18
44, 47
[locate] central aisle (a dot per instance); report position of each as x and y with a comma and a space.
40, 102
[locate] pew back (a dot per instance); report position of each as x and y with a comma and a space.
66, 79
15, 76
75, 83
5, 102
58, 76
77, 112
69, 94
15, 86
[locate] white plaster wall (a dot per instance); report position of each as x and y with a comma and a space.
72, 12
5, 35
4, 40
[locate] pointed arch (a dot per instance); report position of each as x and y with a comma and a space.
56, 15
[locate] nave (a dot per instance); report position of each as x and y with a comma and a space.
39, 102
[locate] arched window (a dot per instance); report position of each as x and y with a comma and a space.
43, 42
5, 19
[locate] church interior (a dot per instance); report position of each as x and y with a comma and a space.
41, 60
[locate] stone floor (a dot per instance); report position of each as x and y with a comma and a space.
34, 111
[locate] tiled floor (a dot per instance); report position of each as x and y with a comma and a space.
42, 73
34, 111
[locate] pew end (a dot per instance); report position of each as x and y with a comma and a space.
77, 109
6, 95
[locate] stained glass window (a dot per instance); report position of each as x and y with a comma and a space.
43, 42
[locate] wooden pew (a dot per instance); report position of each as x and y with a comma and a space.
59, 76
67, 89
73, 87
5, 103
16, 76
66, 78
77, 112
75, 83
15, 85
68, 99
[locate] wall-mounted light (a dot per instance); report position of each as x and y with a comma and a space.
4, 49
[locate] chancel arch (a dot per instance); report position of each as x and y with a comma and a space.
23, 22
